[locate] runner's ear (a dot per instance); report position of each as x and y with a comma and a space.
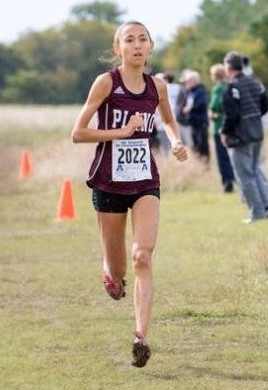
116, 48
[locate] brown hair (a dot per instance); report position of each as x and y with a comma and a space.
218, 71
169, 77
134, 22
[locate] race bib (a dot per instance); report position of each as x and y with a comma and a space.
131, 160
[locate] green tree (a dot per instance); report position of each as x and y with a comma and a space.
41, 51
221, 26
260, 6
73, 50
181, 51
10, 62
243, 43
27, 87
221, 19
58, 65
105, 11
87, 42
259, 29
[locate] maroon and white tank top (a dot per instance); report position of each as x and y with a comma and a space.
126, 166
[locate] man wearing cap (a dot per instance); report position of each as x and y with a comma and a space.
244, 103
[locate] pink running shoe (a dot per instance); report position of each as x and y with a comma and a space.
116, 289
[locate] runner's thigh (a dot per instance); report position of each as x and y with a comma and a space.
145, 220
113, 231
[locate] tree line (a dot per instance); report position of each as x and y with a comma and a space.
58, 64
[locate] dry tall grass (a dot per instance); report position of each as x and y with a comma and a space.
57, 157
40, 116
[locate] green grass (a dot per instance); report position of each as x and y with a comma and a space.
58, 328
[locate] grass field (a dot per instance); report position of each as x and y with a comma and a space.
58, 328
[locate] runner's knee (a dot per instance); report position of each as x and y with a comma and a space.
141, 258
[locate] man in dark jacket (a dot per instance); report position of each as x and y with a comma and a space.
197, 110
244, 103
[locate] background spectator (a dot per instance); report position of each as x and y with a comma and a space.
244, 102
218, 76
197, 109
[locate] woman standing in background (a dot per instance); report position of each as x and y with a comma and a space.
217, 74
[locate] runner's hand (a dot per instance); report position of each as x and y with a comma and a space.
179, 151
135, 123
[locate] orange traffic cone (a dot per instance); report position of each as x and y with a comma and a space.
65, 208
25, 166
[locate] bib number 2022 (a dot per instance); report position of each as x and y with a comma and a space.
131, 155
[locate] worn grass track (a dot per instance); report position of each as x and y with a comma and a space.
58, 328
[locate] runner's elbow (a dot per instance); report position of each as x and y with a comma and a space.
75, 136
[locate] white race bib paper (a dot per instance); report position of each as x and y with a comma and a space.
131, 160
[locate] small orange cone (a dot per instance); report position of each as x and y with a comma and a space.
25, 166
65, 208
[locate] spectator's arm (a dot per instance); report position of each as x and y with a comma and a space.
231, 109
264, 102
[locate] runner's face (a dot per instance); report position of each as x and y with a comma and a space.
134, 44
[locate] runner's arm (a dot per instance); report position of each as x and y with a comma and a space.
84, 132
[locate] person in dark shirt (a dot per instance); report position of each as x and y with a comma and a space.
183, 118
244, 103
123, 174
197, 109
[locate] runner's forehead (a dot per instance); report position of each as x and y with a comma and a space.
133, 29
